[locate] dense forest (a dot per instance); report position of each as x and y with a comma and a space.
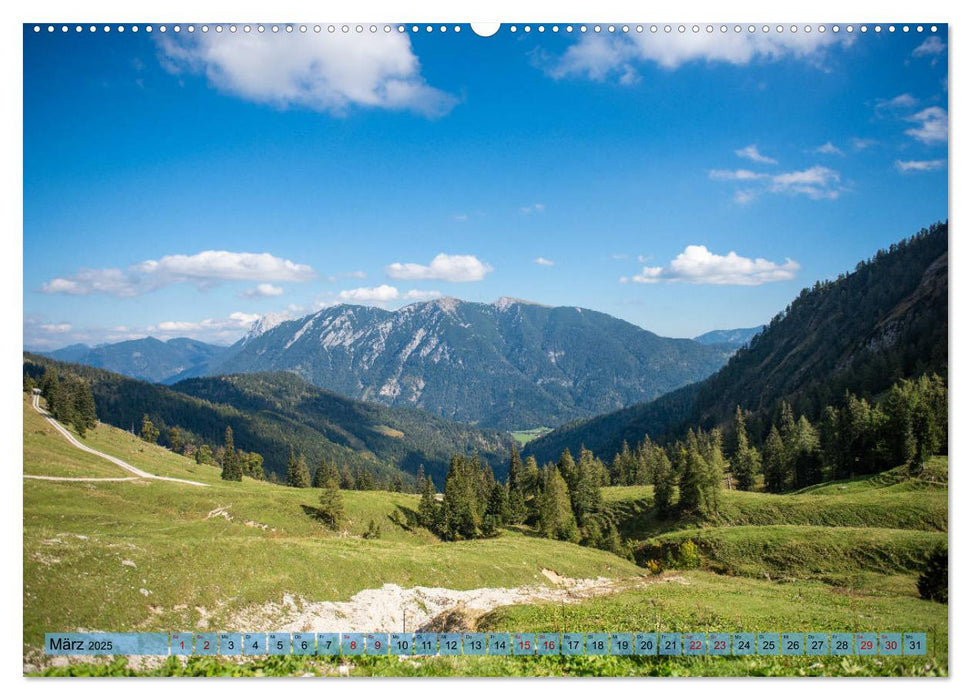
885, 321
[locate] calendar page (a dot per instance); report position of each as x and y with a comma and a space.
454, 349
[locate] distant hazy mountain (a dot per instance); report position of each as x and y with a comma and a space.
860, 332
147, 358
734, 338
510, 364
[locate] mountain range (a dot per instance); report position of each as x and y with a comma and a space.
734, 338
861, 332
507, 365
147, 358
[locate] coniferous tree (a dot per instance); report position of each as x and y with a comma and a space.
232, 469
326, 471
555, 511
428, 508
331, 498
664, 480
745, 460
363, 480
517, 487
84, 416
774, 461
805, 455
461, 517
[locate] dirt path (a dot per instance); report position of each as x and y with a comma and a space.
391, 607
114, 460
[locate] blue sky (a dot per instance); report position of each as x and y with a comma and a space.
183, 185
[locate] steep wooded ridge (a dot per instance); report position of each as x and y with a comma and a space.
271, 412
510, 364
860, 332
146, 358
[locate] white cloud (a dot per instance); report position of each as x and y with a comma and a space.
829, 149
422, 294
861, 144
599, 57
381, 294
385, 294
919, 166
817, 182
931, 125
740, 174
895, 104
543, 261
449, 268
698, 265
203, 269
56, 328
533, 209
322, 72
932, 46
752, 153
234, 323
264, 289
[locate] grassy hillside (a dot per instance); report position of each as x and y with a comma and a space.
149, 555
204, 554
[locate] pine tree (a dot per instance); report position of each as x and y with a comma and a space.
461, 517
325, 472
428, 509
663, 477
84, 416
555, 511
517, 486
363, 480
585, 495
298, 474
745, 460
149, 433
775, 462
805, 455
331, 499
232, 469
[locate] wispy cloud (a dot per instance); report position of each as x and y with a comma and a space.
332, 74
828, 149
532, 209
816, 182
894, 104
752, 153
698, 265
543, 261
601, 57
448, 268
203, 269
264, 289
932, 46
931, 125
920, 166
